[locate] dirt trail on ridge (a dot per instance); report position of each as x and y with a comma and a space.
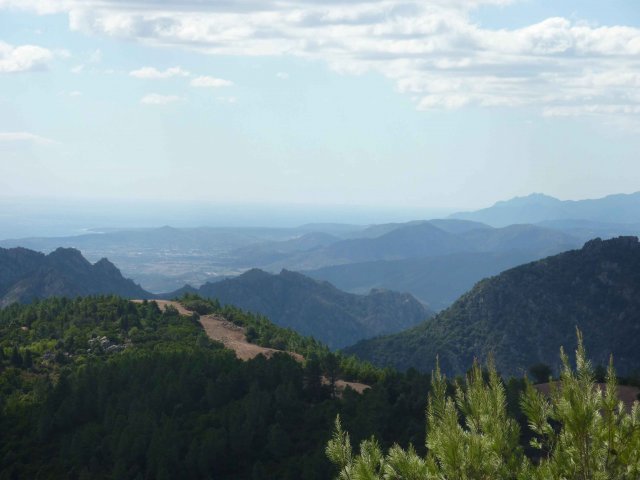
230, 335
233, 337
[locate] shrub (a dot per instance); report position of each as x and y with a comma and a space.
580, 431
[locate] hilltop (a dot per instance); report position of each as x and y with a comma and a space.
317, 308
26, 275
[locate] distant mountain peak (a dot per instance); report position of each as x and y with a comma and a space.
538, 208
532, 198
104, 261
67, 256
106, 266
254, 273
67, 252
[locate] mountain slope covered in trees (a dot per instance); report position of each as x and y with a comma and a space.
102, 388
525, 314
316, 308
26, 275
291, 299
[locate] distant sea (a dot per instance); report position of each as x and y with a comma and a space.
21, 218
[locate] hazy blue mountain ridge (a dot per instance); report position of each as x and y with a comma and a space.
425, 239
536, 208
165, 259
437, 281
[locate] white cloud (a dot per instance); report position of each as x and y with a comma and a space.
158, 99
24, 137
151, 73
210, 82
24, 58
582, 110
39, 6
448, 102
96, 56
282, 75
435, 51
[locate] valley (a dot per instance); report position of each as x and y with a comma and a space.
354, 296
232, 355
436, 260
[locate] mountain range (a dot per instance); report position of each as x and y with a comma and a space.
420, 239
537, 207
437, 281
290, 299
316, 308
434, 260
435, 265
26, 275
524, 315
164, 259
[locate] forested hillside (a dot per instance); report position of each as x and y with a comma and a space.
525, 314
100, 387
26, 275
316, 308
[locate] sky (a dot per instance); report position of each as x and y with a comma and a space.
441, 104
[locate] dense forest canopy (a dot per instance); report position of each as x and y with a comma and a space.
100, 387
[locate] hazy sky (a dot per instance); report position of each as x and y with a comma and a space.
443, 103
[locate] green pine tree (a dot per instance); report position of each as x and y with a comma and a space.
16, 358
583, 433
27, 359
